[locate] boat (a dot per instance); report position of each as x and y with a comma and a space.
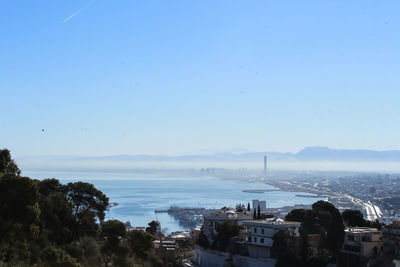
112, 204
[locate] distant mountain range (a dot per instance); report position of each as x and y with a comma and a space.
306, 154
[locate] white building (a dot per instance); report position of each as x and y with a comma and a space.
211, 220
259, 233
257, 245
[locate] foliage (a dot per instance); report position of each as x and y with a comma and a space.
225, 231
91, 251
46, 223
19, 208
56, 210
327, 222
88, 205
296, 215
354, 218
240, 207
329, 217
140, 243
376, 224
7, 164
284, 250
324, 219
202, 240
113, 231
152, 229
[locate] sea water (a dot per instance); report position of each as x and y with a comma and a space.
139, 195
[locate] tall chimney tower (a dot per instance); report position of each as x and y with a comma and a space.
265, 166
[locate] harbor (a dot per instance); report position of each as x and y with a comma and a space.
186, 217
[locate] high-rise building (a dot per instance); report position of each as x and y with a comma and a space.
265, 166
262, 204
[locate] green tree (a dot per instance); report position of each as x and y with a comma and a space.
113, 231
248, 206
329, 217
353, 218
239, 208
312, 222
91, 251
19, 218
56, 217
376, 224
202, 240
258, 212
140, 243
225, 231
325, 220
7, 164
296, 215
19, 208
283, 250
88, 205
55, 256
304, 247
49, 187
122, 258
153, 226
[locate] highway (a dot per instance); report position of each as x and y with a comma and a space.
373, 211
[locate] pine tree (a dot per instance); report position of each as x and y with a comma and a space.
254, 215
258, 212
248, 206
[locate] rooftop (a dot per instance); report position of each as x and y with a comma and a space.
361, 230
224, 214
271, 221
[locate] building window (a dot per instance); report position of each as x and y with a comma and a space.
262, 231
350, 238
365, 239
255, 239
255, 230
262, 240
249, 238
352, 248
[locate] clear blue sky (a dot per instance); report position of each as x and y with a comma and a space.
174, 77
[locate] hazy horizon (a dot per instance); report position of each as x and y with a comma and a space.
310, 158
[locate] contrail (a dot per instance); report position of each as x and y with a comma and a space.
79, 11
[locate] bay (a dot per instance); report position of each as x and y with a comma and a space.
139, 195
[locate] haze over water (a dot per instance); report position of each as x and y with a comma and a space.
138, 195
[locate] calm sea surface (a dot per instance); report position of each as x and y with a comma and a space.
138, 195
